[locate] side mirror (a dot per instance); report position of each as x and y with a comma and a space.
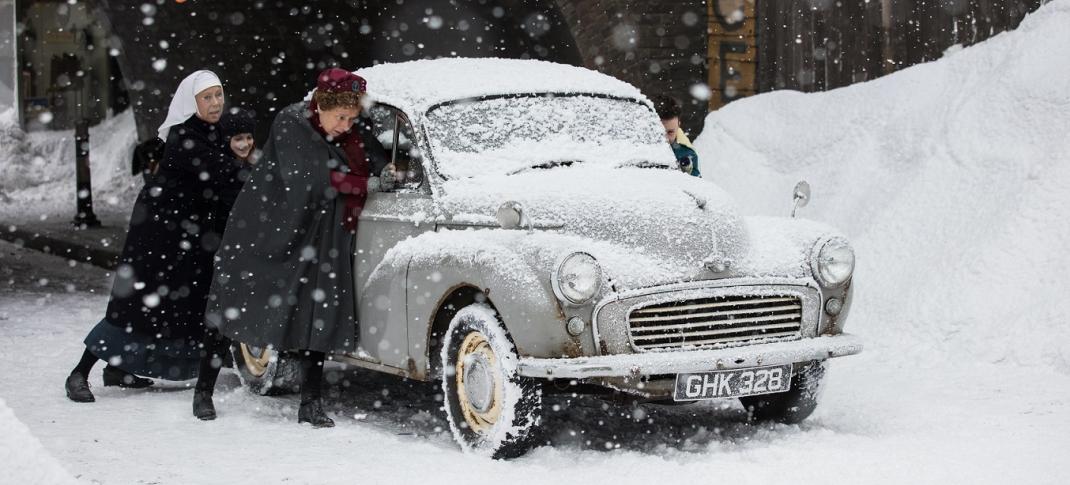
801, 196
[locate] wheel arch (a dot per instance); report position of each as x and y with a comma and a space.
521, 308
459, 296
513, 282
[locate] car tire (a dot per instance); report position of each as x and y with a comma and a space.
265, 371
793, 406
492, 410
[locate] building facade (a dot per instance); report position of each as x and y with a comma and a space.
94, 57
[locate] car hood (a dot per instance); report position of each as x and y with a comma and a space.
663, 217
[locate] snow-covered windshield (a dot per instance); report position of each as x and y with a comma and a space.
510, 134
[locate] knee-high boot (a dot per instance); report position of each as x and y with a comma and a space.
311, 392
211, 362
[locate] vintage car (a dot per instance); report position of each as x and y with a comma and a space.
538, 237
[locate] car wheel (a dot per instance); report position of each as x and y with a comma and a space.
492, 410
265, 371
789, 407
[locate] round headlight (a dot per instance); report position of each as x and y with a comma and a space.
577, 278
834, 263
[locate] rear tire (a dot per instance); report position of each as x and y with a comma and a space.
265, 371
492, 410
793, 406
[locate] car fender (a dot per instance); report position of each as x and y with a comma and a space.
511, 276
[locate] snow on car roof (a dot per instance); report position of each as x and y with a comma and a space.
416, 86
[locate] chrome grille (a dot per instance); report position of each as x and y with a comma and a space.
715, 321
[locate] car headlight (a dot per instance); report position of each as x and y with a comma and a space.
577, 278
834, 261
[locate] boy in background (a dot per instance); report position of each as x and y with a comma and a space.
669, 110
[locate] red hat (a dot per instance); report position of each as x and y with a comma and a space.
335, 80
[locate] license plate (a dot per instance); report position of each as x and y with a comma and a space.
732, 383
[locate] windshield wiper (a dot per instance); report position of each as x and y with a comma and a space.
642, 163
545, 165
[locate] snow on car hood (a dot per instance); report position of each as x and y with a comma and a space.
781, 246
669, 217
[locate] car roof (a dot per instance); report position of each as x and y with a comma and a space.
416, 86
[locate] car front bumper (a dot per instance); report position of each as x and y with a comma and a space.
688, 361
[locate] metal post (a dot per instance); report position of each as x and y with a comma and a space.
9, 64
85, 216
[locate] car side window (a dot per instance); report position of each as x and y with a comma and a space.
406, 156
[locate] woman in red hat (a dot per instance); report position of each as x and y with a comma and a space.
283, 275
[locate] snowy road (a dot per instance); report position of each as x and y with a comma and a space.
885, 418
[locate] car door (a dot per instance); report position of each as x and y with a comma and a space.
391, 215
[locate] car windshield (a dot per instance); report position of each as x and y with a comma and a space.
514, 134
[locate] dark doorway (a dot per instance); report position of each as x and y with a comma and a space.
66, 69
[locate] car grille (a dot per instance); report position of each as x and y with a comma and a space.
715, 321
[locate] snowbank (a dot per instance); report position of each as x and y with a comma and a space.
37, 169
22, 458
950, 177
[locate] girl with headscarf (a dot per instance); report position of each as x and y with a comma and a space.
284, 273
154, 322
238, 126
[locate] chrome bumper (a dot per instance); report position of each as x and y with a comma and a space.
685, 361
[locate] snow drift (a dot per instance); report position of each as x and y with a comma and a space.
950, 177
37, 168
25, 460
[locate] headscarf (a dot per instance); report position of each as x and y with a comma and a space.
184, 103
237, 121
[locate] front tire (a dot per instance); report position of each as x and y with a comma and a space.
492, 410
265, 371
793, 406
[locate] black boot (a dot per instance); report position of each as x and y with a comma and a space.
203, 408
77, 384
312, 413
114, 376
78, 388
207, 373
311, 403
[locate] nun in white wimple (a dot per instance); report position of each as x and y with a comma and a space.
154, 323
194, 96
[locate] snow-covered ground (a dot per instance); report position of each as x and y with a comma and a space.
885, 419
949, 177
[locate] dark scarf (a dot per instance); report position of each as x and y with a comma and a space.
353, 184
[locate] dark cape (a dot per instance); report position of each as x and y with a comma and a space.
154, 323
284, 272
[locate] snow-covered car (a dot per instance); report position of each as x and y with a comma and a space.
538, 238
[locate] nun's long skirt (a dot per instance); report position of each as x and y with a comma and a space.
144, 355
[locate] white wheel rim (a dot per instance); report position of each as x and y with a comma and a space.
256, 359
479, 383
